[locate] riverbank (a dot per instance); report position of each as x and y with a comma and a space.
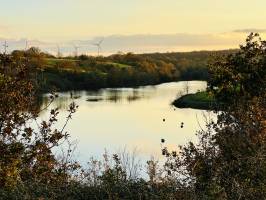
121, 70
199, 100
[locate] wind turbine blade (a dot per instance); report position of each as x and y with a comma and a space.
101, 41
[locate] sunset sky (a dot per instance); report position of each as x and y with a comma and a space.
66, 20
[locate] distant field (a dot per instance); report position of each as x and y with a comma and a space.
68, 64
65, 64
53, 61
118, 64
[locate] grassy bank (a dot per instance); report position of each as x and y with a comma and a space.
199, 100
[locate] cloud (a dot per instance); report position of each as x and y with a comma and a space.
164, 42
249, 30
142, 43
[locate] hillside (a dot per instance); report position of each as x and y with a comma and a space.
119, 70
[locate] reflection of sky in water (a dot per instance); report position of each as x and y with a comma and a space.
130, 117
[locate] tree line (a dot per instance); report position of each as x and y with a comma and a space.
118, 70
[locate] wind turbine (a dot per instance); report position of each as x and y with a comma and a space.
26, 44
98, 45
5, 47
58, 51
76, 50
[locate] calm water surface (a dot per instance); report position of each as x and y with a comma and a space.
131, 118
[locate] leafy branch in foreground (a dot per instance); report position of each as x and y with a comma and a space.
229, 160
26, 151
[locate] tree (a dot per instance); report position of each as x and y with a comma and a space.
229, 161
26, 152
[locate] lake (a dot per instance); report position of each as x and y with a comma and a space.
130, 118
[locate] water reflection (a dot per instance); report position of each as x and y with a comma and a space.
94, 99
132, 117
62, 101
113, 95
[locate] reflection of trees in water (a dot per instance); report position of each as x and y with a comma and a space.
94, 92
117, 95
94, 99
61, 102
114, 95
135, 96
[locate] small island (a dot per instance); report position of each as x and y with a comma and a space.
199, 100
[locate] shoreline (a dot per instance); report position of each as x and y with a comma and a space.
77, 89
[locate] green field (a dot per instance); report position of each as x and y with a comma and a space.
54, 61
117, 64
74, 65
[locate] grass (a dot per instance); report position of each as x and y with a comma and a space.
54, 61
63, 64
119, 65
70, 64
199, 100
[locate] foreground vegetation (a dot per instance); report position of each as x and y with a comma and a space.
228, 162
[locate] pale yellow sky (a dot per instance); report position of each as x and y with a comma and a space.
167, 25
75, 19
